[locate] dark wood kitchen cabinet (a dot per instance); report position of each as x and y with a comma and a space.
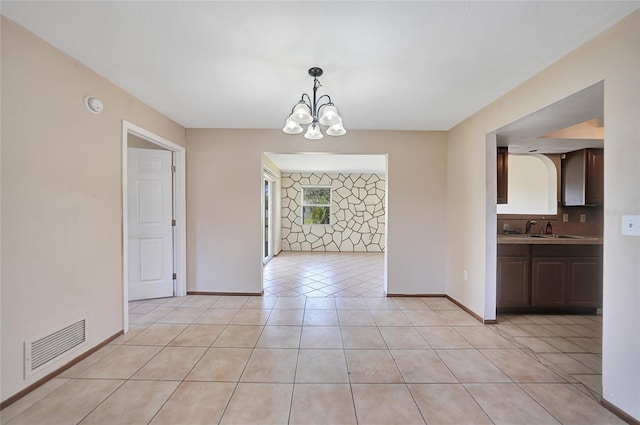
584, 282
583, 178
566, 276
549, 278
595, 177
513, 273
503, 177
548, 281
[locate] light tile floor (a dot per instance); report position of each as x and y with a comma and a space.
324, 346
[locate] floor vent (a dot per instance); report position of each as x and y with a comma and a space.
42, 351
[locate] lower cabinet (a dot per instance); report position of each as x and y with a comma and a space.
513, 276
584, 284
549, 277
548, 281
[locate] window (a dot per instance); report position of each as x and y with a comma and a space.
316, 205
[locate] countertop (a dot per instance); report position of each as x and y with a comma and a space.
549, 240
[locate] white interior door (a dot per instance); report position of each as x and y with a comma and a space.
150, 210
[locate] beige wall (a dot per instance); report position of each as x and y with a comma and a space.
614, 57
61, 196
137, 142
224, 201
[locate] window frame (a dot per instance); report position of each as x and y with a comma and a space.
303, 204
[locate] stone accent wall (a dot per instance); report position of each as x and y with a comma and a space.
357, 213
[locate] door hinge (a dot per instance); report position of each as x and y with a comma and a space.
173, 223
173, 168
175, 276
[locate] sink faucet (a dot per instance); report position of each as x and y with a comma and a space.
528, 226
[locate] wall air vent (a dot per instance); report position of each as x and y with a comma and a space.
40, 352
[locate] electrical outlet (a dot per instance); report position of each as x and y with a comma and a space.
465, 275
631, 225
583, 218
565, 218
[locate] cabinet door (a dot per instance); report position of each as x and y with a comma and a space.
513, 282
583, 178
548, 281
595, 177
573, 177
503, 175
584, 283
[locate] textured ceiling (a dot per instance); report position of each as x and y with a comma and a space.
417, 65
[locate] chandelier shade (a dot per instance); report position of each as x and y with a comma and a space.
329, 116
302, 114
292, 127
336, 129
313, 132
312, 111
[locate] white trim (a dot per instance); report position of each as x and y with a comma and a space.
268, 175
386, 224
277, 208
180, 212
491, 243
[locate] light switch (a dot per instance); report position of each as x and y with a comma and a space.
631, 225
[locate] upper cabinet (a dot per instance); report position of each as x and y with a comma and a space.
503, 171
583, 178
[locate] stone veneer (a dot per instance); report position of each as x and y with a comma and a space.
357, 213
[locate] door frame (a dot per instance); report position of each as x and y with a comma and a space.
179, 205
271, 177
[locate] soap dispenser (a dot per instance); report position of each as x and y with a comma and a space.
549, 228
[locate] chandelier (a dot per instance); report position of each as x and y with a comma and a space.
306, 111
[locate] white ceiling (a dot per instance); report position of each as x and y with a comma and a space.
415, 65
329, 163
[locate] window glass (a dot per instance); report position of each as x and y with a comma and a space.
316, 205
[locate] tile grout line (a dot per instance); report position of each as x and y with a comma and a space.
295, 373
538, 403
237, 382
344, 354
103, 401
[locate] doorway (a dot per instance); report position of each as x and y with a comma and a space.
565, 341
165, 154
332, 213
